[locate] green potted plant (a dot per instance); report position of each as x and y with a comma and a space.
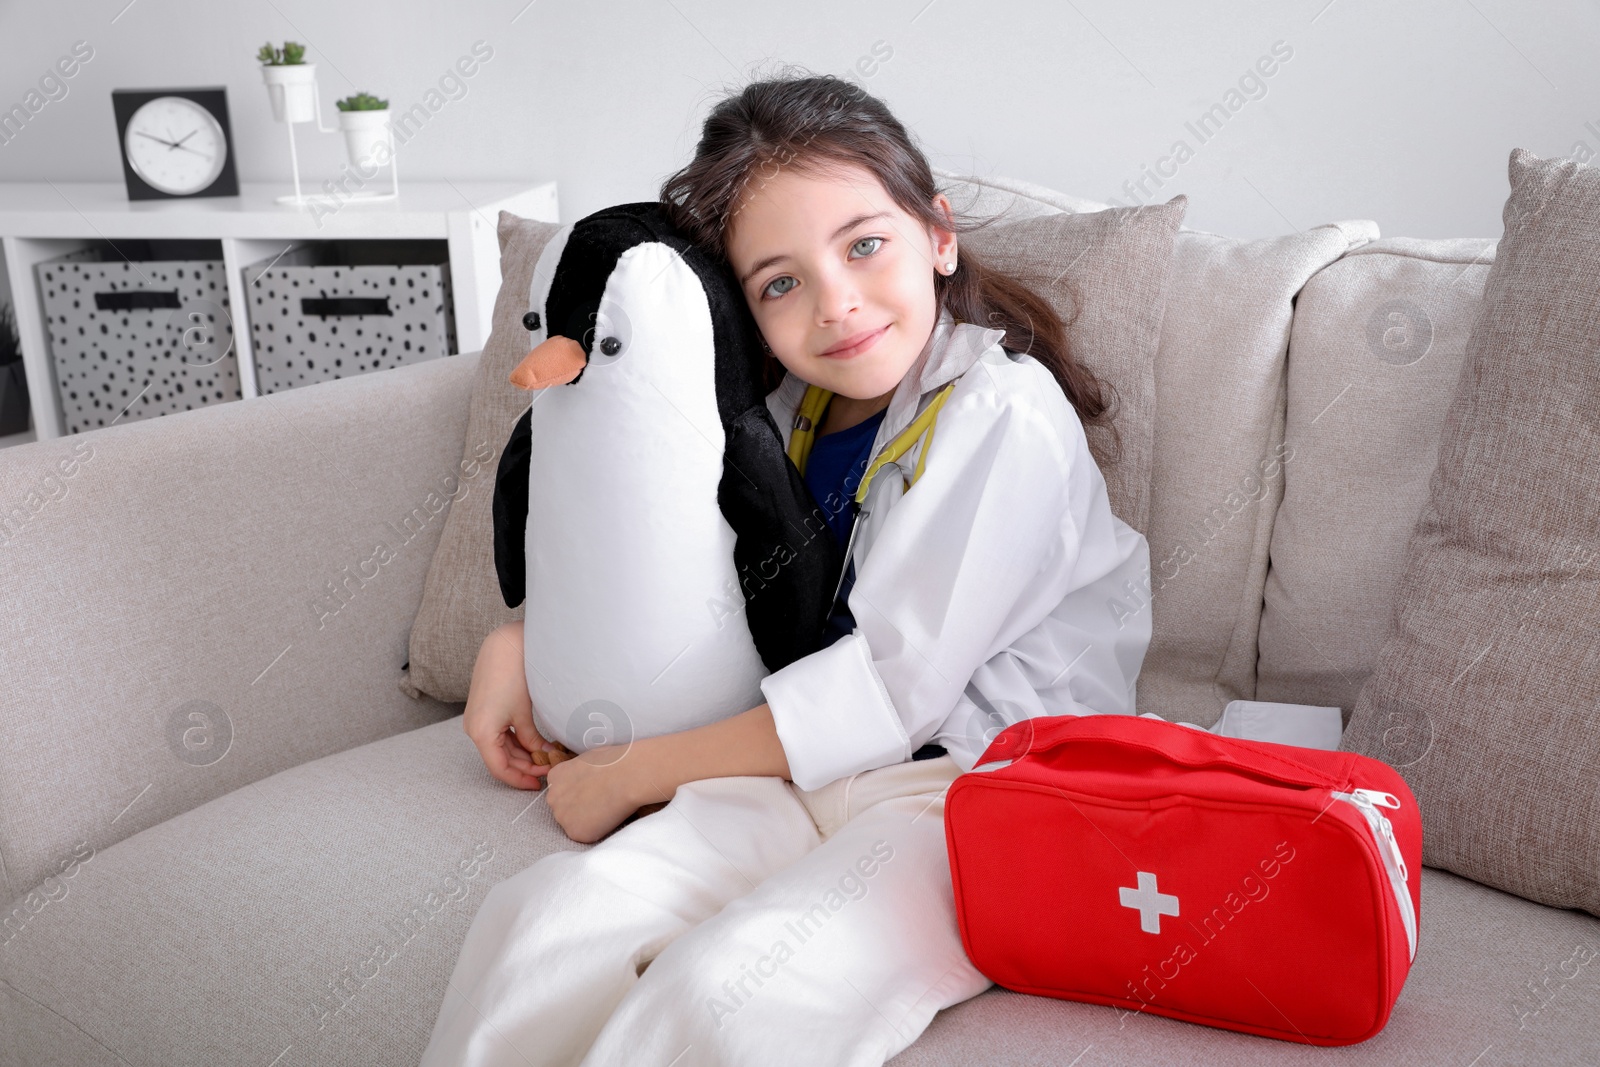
365, 122
291, 82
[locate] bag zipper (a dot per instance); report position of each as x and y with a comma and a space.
1367, 801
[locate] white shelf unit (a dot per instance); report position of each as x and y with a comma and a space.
40, 221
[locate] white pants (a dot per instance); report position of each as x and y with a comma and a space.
749, 922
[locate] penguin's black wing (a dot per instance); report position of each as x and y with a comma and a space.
511, 512
787, 565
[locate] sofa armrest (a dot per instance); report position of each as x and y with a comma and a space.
198, 601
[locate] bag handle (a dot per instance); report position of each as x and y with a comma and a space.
1179, 744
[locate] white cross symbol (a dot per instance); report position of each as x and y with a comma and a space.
1151, 904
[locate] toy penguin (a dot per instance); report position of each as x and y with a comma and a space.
673, 555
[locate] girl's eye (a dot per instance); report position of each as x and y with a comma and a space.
775, 281
874, 247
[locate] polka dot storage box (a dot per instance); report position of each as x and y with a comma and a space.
334, 309
138, 330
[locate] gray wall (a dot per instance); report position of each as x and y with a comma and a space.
1400, 112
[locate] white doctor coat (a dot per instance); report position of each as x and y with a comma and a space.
1000, 587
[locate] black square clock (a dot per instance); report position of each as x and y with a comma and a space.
175, 143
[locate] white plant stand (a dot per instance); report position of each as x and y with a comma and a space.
295, 98
41, 220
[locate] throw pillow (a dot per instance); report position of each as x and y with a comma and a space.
461, 600
1486, 696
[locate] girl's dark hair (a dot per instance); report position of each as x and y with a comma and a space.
816, 122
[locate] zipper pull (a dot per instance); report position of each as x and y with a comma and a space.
1394, 847
1380, 798
1362, 798
1399, 877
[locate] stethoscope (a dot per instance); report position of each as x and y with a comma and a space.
803, 435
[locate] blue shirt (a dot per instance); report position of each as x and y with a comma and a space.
834, 470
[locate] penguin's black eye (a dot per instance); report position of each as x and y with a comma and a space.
530, 321
610, 346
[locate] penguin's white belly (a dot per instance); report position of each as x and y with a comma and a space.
635, 624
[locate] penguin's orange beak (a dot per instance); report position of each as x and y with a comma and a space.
554, 362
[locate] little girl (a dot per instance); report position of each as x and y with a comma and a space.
792, 904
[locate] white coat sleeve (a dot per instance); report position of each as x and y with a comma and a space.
970, 558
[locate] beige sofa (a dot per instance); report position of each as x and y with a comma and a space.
227, 836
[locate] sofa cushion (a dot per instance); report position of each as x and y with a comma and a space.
461, 601
1217, 476
320, 911
194, 602
1488, 690
1106, 274
317, 914
1374, 354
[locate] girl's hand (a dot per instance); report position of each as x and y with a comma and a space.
499, 714
595, 792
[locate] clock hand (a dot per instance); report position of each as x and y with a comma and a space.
153, 137
179, 142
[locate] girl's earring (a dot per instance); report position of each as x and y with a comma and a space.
949, 268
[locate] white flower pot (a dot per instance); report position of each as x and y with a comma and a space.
292, 89
364, 131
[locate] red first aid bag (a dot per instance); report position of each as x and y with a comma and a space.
1151, 866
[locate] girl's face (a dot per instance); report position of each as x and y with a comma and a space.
838, 277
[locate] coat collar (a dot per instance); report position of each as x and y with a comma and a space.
951, 350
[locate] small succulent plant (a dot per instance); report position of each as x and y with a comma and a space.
361, 102
291, 54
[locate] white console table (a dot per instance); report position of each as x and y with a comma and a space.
42, 220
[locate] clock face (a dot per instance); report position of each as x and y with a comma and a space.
175, 145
